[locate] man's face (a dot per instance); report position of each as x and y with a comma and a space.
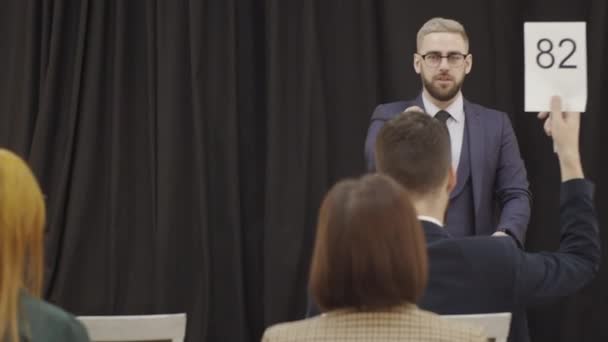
443, 81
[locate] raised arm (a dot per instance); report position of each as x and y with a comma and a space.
546, 275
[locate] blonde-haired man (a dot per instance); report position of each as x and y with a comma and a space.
485, 155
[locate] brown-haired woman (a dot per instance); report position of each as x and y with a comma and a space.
23, 316
369, 268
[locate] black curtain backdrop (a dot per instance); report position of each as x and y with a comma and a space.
184, 146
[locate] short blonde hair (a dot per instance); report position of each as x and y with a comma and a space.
436, 25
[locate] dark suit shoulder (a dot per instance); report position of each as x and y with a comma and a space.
483, 109
46, 322
495, 123
486, 113
387, 111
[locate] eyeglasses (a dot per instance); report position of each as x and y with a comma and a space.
433, 59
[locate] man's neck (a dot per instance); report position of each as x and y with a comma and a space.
440, 104
430, 207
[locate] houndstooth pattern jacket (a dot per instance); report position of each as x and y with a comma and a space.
407, 323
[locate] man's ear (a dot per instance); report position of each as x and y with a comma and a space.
468, 63
417, 63
451, 180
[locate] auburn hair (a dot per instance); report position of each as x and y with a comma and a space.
370, 252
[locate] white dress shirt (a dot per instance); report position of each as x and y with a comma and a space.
455, 123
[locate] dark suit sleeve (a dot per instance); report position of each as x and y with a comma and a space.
542, 276
370, 140
511, 186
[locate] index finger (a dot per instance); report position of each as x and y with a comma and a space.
556, 104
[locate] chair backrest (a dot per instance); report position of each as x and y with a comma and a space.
495, 325
170, 327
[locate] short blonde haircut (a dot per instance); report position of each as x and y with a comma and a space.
22, 219
441, 25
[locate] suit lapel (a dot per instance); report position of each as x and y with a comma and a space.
476, 151
418, 102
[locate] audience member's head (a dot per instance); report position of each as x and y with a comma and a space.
22, 218
370, 252
414, 149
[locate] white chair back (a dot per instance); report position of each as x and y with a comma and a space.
170, 327
495, 325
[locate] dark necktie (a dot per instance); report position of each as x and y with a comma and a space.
442, 116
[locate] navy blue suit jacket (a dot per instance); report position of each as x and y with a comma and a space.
491, 274
497, 171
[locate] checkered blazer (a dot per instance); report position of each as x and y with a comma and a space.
407, 323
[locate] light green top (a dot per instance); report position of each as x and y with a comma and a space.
42, 321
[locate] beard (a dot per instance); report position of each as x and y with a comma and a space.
442, 93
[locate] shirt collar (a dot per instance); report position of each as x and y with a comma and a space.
430, 219
456, 109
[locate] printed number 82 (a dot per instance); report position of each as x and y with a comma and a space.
545, 48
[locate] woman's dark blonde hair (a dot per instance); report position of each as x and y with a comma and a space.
22, 219
370, 252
